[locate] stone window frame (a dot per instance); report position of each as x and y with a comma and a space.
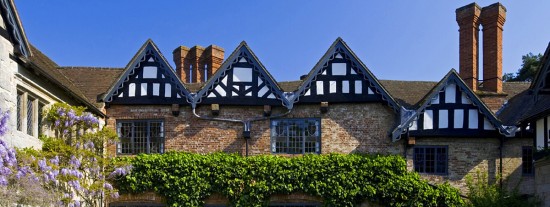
32, 126
303, 148
436, 163
527, 167
148, 143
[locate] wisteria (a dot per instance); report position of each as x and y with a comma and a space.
120, 171
4, 116
71, 177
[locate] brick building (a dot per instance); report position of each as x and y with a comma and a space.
446, 130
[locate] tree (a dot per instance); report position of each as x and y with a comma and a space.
529, 68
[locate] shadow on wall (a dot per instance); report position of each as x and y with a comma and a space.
465, 156
512, 167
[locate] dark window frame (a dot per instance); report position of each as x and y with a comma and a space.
527, 167
431, 166
291, 141
132, 149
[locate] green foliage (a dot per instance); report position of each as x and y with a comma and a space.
73, 161
528, 71
483, 194
186, 179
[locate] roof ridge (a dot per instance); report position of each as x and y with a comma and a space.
90, 67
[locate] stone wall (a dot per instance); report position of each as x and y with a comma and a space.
8, 67
467, 156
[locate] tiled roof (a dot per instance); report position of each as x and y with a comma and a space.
408, 93
194, 87
92, 81
514, 88
48, 69
290, 86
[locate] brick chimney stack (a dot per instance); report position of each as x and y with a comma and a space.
197, 64
213, 59
492, 20
467, 18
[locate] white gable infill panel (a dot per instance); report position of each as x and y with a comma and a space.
242, 74
339, 69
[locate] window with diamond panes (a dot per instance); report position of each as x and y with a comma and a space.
296, 136
431, 159
140, 136
40, 117
30, 115
19, 111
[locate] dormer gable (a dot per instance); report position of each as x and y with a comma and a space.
340, 77
451, 109
148, 79
541, 84
241, 80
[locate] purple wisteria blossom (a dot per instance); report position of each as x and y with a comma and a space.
3, 180
89, 145
107, 186
89, 119
120, 171
4, 116
61, 112
55, 160
75, 162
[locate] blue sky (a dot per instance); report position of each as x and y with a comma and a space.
397, 40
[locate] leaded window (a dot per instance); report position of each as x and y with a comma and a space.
527, 161
140, 136
19, 111
40, 117
29, 109
30, 115
431, 159
296, 136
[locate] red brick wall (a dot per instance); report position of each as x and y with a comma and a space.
345, 128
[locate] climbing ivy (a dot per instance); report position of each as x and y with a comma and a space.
186, 179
